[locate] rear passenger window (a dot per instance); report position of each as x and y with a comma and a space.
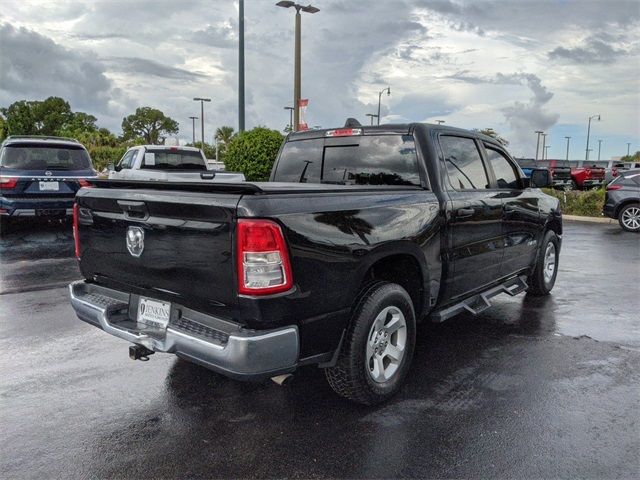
502, 169
464, 163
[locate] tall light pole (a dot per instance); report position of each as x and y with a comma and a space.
388, 90
202, 100
544, 143
296, 68
546, 152
628, 148
372, 115
193, 129
291, 109
568, 138
241, 67
599, 147
539, 132
586, 155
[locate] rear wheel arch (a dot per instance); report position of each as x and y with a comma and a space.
624, 203
404, 269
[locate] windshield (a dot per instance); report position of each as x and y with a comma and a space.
174, 159
355, 160
30, 156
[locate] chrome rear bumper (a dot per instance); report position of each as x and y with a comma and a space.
217, 344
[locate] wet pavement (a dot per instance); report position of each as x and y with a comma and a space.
532, 388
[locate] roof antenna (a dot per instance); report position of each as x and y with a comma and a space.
352, 122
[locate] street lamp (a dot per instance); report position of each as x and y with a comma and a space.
628, 148
388, 90
544, 143
586, 155
372, 115
599, 147
539, 132
546, 152
291, 109
296, 69
202, 100
193, 129
240, 66
568, 138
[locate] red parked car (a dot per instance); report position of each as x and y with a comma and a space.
587, 177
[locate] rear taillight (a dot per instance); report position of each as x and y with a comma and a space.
262, 258
84, 183
614, 172
614, 187
8, 182
76, 236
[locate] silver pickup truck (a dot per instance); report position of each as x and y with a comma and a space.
168, 164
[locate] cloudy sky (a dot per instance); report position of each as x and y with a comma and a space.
515, 66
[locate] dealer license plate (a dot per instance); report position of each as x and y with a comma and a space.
49, 186
153, 312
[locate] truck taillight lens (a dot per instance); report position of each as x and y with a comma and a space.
84, 183
76, 236
8, 182
262, 258
614, 187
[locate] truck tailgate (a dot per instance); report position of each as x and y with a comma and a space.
186, 248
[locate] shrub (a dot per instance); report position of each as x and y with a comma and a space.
103, 156
586, 203
253, 153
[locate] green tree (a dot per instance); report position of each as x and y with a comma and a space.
37, 117
150, 124
3, 128
80, 122
631, 158
253, 153
209, 150
490, 132
223, 136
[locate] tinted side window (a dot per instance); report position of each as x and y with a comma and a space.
502, 169
464, 164
300, 162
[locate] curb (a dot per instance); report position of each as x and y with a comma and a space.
577, 218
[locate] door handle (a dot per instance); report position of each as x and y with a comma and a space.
464, 212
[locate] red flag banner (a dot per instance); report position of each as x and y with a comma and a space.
302, 107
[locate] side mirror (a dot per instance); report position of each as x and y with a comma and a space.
111, 167
540, 178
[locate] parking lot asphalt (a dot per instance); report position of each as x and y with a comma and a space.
531, 388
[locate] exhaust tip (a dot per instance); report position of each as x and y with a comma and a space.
282, 380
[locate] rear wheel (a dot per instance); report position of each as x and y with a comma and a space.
377, 351
543, 278
574, 185
629, 217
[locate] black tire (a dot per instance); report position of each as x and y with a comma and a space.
539, 283
351, 377
628, 217
574, 185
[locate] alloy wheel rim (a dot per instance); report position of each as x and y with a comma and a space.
631, 218
549, 262
386, 344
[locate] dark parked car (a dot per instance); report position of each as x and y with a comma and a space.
39, 176
622, 200
360, 233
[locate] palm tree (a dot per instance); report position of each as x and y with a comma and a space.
223, 136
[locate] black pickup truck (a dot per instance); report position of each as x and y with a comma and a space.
359, 234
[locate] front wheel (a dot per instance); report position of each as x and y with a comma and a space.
629, 217
377, 351
543, 278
